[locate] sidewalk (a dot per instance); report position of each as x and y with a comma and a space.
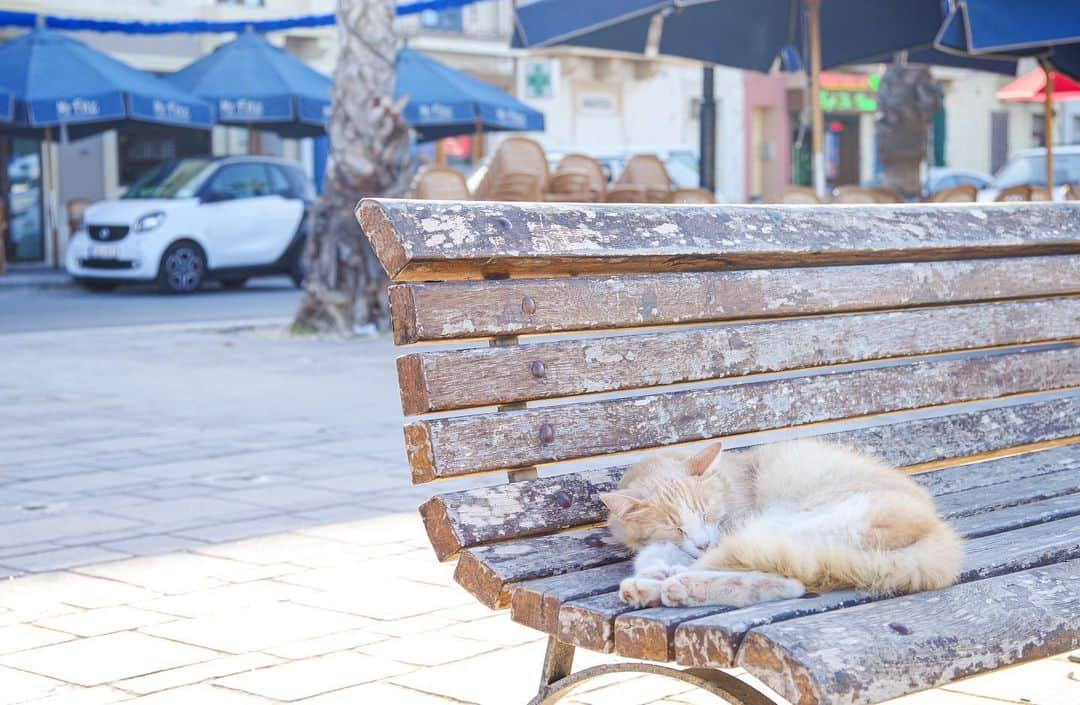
37, 276
199, 515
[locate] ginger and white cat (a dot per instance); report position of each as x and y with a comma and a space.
775, 522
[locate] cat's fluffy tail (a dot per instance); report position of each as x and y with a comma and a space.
929, 563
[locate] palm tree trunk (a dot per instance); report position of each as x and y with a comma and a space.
907, 100
344, 285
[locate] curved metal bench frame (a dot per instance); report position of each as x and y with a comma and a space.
557, 681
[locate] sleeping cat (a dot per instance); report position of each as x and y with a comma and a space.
774, 522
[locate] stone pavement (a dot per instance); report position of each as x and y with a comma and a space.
206, 515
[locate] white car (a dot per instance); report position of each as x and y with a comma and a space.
194, 219
1028, 166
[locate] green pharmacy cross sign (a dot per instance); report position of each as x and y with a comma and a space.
538, 79
849, 93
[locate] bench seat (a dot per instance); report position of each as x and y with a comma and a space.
563, 340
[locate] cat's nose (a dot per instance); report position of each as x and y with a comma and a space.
702, 546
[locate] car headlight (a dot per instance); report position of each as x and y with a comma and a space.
149, 221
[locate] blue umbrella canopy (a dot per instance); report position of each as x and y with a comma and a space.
443, 102
745, 34
58, 82
1048, 28
7, 107
255, 84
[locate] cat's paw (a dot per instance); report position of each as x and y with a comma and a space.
684, 590
640, 592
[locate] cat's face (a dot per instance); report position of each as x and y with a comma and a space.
676, 501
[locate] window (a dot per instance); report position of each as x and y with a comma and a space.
448, 19
279, 184
246, 180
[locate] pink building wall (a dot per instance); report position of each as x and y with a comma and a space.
767, 92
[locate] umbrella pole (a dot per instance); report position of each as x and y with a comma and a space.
817, 117
1048, 126
478, 142
51, 196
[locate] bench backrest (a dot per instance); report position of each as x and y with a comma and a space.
659, 325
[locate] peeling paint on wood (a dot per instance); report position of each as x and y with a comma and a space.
455, 379
481, 442
422, 240
467, 518
857, 656
448, 310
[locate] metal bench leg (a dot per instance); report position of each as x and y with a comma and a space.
556, 681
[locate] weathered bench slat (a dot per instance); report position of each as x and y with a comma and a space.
714, 640
536, 603
449, 310
956, 632
467, 518
450, 447
606, 616
489, 571
418, 240
440, 381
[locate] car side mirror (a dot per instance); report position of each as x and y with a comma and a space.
217, 197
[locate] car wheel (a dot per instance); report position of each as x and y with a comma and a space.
234, 283
182, 268
96, 284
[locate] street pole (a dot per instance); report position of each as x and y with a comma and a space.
707, 138
1048, 126
817, 118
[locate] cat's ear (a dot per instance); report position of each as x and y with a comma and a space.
621, 504
705, 460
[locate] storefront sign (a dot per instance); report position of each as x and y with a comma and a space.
538, 79
848, 92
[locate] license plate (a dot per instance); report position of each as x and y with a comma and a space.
104, 251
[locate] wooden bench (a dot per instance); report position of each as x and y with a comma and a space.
939, 337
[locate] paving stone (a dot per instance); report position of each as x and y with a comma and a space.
104, 620
62, 558
277, 548
353, 590
77, 695
634, 691
190, 511
19, 686
380, 693
227, 598
230, 531
1044, 682
496, 678
257, 628
103, 659
151, 544
499, 629
320, 646
196, 673
310, 677
21, 637
201, 694
431, 649
52, 589
59, 527
179, 572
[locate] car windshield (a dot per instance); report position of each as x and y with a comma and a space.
1031, 169
175, 179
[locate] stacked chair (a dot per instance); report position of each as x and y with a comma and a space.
440, 183
1024, 192
577, 179
644, 179
961, 193
518, 172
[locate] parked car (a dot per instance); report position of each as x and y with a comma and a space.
942, 177
1029, 167
190, 220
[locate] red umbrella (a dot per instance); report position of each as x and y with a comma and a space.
1031, 87
1045, 86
